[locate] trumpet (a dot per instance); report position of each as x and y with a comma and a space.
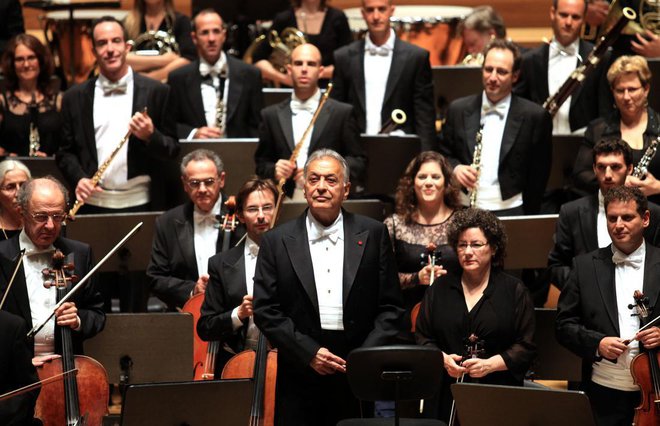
96, 179
397, 118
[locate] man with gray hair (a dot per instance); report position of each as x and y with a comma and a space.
43, 205
187, 235
325, 284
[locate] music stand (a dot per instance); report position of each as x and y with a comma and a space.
479, 405
103, 231
274, 96
553, 361
530, 240
237, 156
388, 157
202, 403
374, 209
158, 345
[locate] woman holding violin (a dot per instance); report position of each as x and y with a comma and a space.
13, 174
226, 314
481, 318
425, 203
30, 106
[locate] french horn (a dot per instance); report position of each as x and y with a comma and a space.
282, 43
155, 42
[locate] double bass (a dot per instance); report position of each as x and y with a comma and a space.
86, 393
645, 370
204, 353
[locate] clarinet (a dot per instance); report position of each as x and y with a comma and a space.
476, 164
577, 77
641, 168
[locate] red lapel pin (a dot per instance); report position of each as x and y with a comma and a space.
359, 243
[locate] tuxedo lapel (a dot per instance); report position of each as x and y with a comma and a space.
651, 289
186, 236
604, 269
357, 71
284, 117
514, 121
234, 272
235, 88
86, 105
471, 124
194, 89
355, 241
140, 94
587, 221
542, 72
320, 124
297, 247
583, 51
399, 57
18, 291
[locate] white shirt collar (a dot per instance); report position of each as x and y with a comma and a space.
572, 49
251, 247
634, 258
315, 98
127, 78
389, 44
218, 65
24, 242
316, 230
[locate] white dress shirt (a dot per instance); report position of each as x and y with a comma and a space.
562, 61
209, 91
628, 277
301, 115
494, 122
377, 63
250, 254
326, 246
604, 238
42, 300
206, 227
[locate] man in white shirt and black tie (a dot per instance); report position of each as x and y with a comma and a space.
545, 68
283, 126
216, 96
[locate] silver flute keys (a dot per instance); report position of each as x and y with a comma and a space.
476, 164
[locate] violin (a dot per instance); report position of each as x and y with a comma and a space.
204, 353
430, 257
86, 393
646, 372
474, 348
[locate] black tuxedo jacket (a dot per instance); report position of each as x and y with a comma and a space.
587, 309
172, 269
533, 85
409, 87
335, 128
88, 300
286, 306
16, 370
576, 233
77, 157
244, 100
224, 292
525, 154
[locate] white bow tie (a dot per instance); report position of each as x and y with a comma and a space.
635, 261
499, 109
298, 106
557, 49
378, 50
201, 218
212, 70
332, 232
253, 249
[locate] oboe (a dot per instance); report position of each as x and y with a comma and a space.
641, 168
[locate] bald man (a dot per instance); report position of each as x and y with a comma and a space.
283, 125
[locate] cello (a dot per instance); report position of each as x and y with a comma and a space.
86, 393
646, 372
204, 353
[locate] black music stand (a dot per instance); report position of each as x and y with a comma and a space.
371, 208
274, 96
388, 157
103, 231
479, 405
202, 403
530, 240
237, 156
451, 82
553, 361
145, 347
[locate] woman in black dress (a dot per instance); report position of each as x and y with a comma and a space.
13, 174
323, 26
30, 105
480, 307
425, 203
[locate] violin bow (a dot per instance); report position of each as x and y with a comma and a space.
78, 286
13, 276
35, 385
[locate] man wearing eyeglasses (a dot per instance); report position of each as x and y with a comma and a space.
188, 235
43, 204
226, 315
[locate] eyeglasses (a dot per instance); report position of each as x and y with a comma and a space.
22, 59
43, 217
196, 183
475, 246
11, 187
268, 208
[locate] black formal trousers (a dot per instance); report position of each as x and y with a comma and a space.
244, 100
526, 150
286, 310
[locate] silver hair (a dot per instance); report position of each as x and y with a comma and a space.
201, 155
25, 191
7, 166
328, 153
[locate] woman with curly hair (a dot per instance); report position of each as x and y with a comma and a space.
425, 203
30, 105
480, 307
